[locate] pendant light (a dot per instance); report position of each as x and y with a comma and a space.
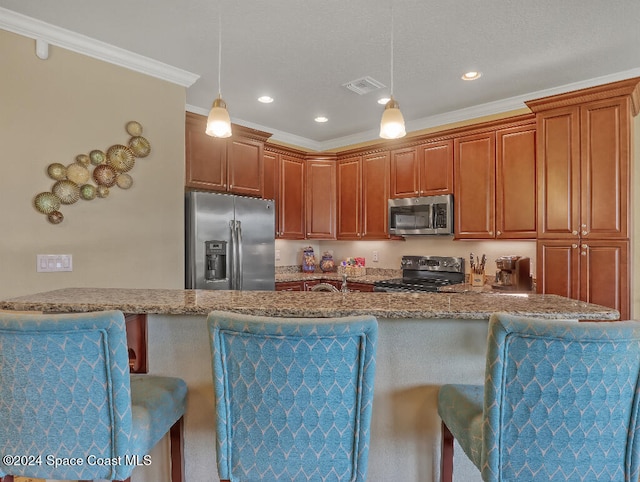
392, 122
218, 122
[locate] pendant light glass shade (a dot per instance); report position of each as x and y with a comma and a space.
392, 123
218, 122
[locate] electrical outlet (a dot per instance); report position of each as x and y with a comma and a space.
47, 263
375, 257
277, 255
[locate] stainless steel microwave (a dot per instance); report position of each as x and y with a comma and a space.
421, 215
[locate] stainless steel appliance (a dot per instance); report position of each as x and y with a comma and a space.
421, 215
229, 242
513, 273
424, 273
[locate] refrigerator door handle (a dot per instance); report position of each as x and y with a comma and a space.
234, 255
239, 279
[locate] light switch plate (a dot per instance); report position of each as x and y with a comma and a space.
47, 263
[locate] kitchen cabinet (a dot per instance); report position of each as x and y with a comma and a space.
594, 271
363, 191
232, 165
474, 186
424, 170
290, 286
270, 174
516, 214
320, 198
291, 197
360, 287
495, 184
584, 170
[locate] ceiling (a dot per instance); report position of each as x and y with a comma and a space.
301, 52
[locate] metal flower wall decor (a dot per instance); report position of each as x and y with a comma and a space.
91, 175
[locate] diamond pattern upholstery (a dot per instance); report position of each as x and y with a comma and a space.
66, 393
293, 396
560, 402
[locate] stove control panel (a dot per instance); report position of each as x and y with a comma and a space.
449, 264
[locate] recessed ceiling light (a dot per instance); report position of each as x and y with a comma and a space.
265, 99
383, 100
321, 119
473, 75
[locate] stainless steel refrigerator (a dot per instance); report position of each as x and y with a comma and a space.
229, 242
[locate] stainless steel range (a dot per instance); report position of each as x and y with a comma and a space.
424, 274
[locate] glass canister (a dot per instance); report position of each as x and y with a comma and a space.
308, 260
326, 262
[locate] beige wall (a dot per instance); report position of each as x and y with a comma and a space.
50, 111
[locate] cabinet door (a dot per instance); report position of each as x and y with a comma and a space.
474, 197
206, 156
321, 199
404, 173
270, 175
558, 167
349, 188
436, 168
558, 268
290, 286
291, 208
516, 215
375, 196
245, 167
605, 153
604, 274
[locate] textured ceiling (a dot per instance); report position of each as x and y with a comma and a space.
301, 52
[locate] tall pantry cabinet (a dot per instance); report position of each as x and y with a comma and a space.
584, 181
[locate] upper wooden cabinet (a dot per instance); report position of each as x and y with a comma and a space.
290, 202
423, 170
516, 216
495, 183
363, 192
584, 149
475, 178
321, 198
228, 165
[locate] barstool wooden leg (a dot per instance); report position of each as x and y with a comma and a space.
177, 451
446, 455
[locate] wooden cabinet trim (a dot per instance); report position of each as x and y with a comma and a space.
624, 88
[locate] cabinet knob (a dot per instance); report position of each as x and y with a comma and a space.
230, 186
574, 245
575, 233
584, 233
583, 253
584, 246
499, 233
490, 233
583, 225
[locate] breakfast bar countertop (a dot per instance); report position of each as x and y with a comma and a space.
462, 306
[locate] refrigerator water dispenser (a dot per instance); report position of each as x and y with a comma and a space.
215, 260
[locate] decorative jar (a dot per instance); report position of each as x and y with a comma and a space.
326, 263
308, 260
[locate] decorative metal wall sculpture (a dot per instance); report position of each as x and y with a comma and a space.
74, 182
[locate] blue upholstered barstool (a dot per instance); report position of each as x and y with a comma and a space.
69, 408
293, 396
559, 403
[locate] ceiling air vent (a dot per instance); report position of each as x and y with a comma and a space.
364, 85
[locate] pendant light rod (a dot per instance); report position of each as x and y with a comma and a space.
391, 86
219, 49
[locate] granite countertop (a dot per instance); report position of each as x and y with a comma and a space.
309, 304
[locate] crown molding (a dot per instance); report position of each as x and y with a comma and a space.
39, 30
